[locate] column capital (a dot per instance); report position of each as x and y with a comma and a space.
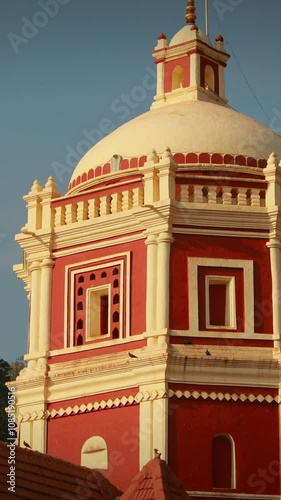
47, 263
35, 266
274, 243
165, 238
151, 239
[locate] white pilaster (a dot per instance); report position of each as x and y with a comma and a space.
272, 175
49, 192
151, 282
163, 279
222, 82
45, 305
167, 168
34, 209
160, 79
275, 260
151, 187
194, 70
153, 430
35, 271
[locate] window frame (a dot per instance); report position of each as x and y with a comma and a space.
98, 291
193, 264
230, 301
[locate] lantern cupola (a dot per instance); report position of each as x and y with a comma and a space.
190, 66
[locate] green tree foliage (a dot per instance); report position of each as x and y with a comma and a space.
4, 377
16, 366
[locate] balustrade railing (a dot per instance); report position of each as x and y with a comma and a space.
224, 195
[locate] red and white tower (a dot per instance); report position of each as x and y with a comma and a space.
154, 287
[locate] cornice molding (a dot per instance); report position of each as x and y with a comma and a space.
141, 397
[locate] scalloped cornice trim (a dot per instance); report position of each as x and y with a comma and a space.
142, 397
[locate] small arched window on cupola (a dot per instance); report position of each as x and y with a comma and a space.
94, 453
177, 77
223, 462
79, 324
209, 78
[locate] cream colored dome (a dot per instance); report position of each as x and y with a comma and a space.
187, 33
190, 126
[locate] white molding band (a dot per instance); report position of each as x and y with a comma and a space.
145, 396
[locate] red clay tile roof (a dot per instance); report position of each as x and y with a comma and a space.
156, 481
42, 477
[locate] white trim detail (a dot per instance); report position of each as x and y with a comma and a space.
94, 265
248, 268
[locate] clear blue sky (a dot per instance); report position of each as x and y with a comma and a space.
65, 77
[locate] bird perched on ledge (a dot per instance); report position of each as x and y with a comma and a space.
132, 355
27, 445
156, 453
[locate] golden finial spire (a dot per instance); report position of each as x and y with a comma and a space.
190, 12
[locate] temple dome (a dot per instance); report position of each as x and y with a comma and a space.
186, 127
186, 34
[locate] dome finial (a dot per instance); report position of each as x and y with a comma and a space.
190, 12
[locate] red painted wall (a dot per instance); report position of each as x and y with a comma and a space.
185, 246
137, 291
119, 427
254, 428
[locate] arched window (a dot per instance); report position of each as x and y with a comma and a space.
81, 279
104, 274
115, 271
79, 340
79, 324
177, 77
209, 78
115, 284
223, 461
115, 333
94, 453
80, 291
115, 317
92, 277
116, 299
80, 306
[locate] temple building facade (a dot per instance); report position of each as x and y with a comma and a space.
154, 289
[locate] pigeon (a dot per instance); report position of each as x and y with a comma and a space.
132, 355
27, 445
208, 353
156, 453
